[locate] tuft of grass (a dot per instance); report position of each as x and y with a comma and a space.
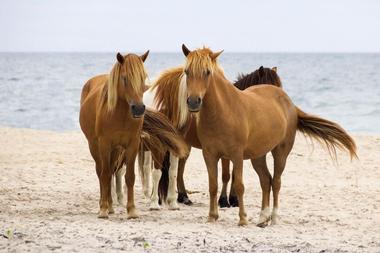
9, 233
146, 245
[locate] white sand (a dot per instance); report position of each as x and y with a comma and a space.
49, 200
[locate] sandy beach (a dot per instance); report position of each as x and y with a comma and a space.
49, 202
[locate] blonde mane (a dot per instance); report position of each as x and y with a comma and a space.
199, 61
167, 98
135, 73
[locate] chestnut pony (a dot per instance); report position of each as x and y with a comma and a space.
238, 125
170, 88
111, 117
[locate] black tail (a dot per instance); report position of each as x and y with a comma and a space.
163, 185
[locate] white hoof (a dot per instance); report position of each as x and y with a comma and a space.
275, 217
154, 206
173, 205
264, 217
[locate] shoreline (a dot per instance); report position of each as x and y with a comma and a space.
49, 194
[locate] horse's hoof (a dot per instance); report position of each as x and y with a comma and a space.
234, 202
154, 206
184, 199
262, 224
223, 202
173, 205
103, 214
275, 220
243, 222
111, 210
211, 219
132, 215
264, 218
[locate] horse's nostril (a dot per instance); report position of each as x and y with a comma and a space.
199, 100
133, 107
188, 100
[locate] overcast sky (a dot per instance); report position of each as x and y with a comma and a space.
162, 26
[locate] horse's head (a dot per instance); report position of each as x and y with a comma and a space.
267, 76
200, 66
127, 82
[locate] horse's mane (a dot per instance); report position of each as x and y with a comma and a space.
135, 74
259, 76
169, 96
199, 61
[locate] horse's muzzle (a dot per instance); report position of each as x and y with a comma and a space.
194, 103
138, 110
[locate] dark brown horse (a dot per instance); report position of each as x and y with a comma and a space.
112, 117
238, 125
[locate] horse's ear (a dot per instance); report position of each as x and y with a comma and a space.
144, 56
215, 55
120, 58
274, 69
261, 71
185, 50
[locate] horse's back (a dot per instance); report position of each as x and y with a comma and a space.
91, 93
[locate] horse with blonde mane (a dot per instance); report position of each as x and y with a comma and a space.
112, 119
170, 89
238, 125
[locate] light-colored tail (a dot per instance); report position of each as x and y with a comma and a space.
327, 132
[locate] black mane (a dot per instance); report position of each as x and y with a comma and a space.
259, 76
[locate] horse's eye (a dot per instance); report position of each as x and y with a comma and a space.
187, 72
207, 72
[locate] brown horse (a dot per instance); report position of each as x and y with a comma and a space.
111, 117
170, 87
238, 125
259, 76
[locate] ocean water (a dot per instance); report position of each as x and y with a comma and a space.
42, 90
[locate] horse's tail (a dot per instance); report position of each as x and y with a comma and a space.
163, 185
162, 136
328, 132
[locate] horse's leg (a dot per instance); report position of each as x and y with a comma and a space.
119, 184
234, 202
223, 201
94, 150
154, 205
280, 154
182, 194
147, 170
105, 178
172, 200
239, 188
212, 169
261, 168
130, 181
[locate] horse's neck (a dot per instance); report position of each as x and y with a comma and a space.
218, 96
